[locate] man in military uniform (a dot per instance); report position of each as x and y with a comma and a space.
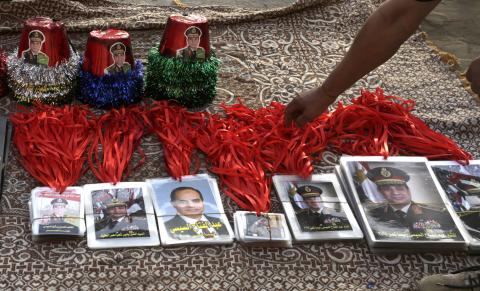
399, 210
56, 222
190, 221
119, 65
471, 218
316, 216
118, 224
34, 55
192, 51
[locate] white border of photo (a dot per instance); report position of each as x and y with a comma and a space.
301, 236
373, 242
473, 244
166, 239
94, 243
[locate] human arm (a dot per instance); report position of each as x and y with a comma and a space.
378, 40
473, 75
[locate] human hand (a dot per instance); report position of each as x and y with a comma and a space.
307, 106
473, 75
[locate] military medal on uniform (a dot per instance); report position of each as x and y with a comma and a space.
316, 208
413, 213
119, 215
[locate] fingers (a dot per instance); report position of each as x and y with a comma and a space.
475, 88
292, 111
473, 75
302, 120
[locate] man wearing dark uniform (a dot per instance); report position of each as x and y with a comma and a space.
422, 222
34, 55
315, 217
119, 64
56, 223
118, 224
192, 51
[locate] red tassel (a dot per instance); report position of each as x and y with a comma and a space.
52, 142
177, 129
227, 144
119, 133
376, 124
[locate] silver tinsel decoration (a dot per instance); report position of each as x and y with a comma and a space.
49, 85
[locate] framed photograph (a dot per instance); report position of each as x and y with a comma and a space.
57, 214
190, 211
263, 227
461, 185
316, 208
399, 202
119, 215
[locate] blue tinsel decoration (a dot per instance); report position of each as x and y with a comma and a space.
113, 90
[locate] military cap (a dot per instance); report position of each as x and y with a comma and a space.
118, 47
193, 30
383, 176
36, 34
308, 191
59, 201
470, 186
115, 203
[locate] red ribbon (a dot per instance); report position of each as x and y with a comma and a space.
376, 124
228, 147
243, 148
119, 133
177, 129
52, 142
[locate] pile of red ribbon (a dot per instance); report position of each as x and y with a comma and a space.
244, 147
376, 124
52, 142
177, 129
119, 132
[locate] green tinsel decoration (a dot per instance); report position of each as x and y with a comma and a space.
190, 83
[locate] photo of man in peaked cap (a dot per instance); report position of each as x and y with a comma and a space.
57, 222
118, 51
400, 210
118, 224
33, 55
193, 50
316, 216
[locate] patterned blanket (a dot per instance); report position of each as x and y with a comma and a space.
262, 61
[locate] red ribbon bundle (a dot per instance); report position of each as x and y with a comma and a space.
177, 129
52, 142
228, 147
3, 73
376, 124
119, 132
277, 148
243, 147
